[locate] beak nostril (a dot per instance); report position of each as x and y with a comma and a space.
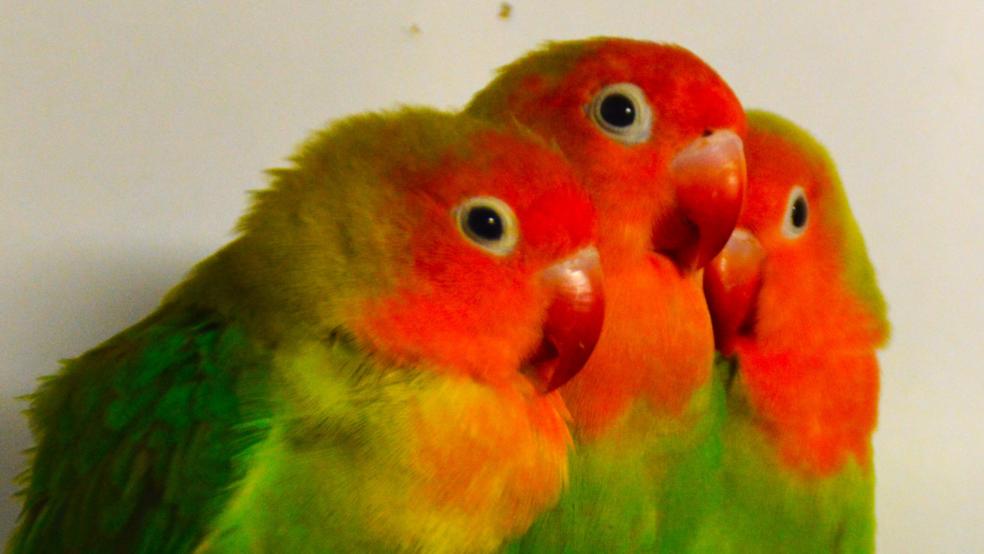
707, 133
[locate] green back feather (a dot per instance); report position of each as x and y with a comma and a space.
137, 440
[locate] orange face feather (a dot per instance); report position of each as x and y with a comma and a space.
467, 309
667, 188
794, 299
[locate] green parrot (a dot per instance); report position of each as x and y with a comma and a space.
369, 366
798, 316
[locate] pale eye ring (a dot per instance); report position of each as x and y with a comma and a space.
622, 112
489, 223
797, 214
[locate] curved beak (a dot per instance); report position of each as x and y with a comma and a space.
573, 323
709, 178
731, 285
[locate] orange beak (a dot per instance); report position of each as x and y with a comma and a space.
574, 319
709, 179
731, 286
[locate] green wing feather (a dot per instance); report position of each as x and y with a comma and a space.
140, 440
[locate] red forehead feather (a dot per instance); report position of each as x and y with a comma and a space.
686, 90
687, 95
775, 165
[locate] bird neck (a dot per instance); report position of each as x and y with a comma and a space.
818, 409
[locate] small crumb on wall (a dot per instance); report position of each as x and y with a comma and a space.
414, 29
505, 10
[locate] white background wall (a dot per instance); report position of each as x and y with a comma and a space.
130, 132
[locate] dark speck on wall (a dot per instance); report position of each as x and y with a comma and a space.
505, 10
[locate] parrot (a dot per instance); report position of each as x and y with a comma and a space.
654, 134
370, 365
798, 316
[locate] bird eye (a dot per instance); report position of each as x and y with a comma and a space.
622, 112
489, 223
797, 214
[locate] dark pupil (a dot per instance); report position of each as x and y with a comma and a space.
798, 216
617, 110
485, 223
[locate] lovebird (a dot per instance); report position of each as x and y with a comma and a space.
370, 365
654, 134
798, 316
